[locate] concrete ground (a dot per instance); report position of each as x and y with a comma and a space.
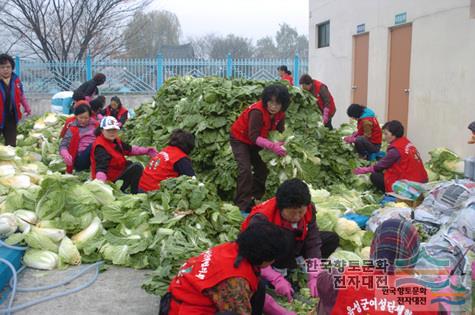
117, 291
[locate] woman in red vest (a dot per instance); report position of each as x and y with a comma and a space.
325, 101
402, 160
471, 127
75, 147
11, 97
172, 161
285, 74
394, 240
226, 277
116, 110
292, 210
368, 137
108, 153
249, 134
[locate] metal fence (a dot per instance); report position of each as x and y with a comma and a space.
144, 76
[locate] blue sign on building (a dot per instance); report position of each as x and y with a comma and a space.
400, 18
360, 29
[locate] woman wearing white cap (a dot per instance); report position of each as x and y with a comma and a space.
108, 153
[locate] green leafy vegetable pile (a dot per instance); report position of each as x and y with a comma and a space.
208, 107
444, 165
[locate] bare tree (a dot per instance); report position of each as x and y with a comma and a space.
265, 48
238, 47
60, 30
147, 32
202, 45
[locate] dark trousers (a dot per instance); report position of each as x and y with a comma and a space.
9, 131
329, 124
378, 181
131, 177
252, 174
330, 242
83, 160
364, 147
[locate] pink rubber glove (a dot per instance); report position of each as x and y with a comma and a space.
281, 285
363, 170
25, 104
349, 139
67, 158
275, 147
101, 176
326, 115
136, 150
99, 117
152, 152
271, 307
313, 268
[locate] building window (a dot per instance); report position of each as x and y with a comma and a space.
323, 34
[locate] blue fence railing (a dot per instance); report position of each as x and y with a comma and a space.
144, 76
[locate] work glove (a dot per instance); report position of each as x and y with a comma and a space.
276, 147
350, 139
271, 307
281, 285
152, 152
313, 268
326, 115
67, 158
101, 176
363, 170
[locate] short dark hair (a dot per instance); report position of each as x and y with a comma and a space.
4, 58
293, 193
98, 103
100, 78
355, 110
117, 100
305, 79
182, 139
262, 242
279, 92
81, 109
472, 126
395, 127
285, 69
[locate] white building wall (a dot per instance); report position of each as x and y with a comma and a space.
442, 80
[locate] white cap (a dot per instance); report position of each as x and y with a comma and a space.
109, 122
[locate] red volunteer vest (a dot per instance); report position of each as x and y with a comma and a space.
288, 78
160, 168
351, 300
409, 166
16, 100
239, 129
122, 112
66, 125
316, 92
116, 164
204, 272
272, 213
376, 133
74, 144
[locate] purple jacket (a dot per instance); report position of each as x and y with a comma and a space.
86, 136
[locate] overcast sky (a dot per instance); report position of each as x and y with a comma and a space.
250, 18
